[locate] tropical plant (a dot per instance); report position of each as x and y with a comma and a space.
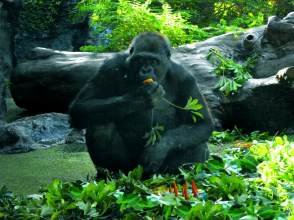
232, 75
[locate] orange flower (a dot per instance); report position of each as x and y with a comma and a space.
176, 190
185, 191
194, 189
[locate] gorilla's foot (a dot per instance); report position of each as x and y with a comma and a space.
286, 74
102, 173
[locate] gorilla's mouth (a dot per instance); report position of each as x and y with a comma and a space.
148, 78
148, 81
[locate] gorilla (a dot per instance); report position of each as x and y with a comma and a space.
128, 96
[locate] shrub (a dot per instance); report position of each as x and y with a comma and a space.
127, 19
39, 15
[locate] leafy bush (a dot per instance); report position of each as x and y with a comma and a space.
39, 15
236, 134
234, 12
127, 19
246, 183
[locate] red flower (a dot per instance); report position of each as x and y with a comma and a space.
176, 190
185, 191
194, 188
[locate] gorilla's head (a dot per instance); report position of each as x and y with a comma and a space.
149, 57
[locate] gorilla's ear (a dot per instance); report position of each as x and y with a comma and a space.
168, 53
131, 50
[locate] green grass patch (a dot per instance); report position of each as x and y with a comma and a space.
24, 173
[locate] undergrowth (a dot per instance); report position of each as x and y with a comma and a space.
252, 179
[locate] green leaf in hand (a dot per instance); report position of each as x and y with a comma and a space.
154, 135
193, 106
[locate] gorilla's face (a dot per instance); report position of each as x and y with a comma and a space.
147, 65
149, 58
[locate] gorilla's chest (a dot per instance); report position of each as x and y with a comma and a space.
136, 125
164, 114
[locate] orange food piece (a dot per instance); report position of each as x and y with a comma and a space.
243, 144
148, 81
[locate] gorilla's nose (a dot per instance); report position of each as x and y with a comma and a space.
147, 69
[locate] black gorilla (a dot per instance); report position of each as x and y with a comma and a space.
118, 109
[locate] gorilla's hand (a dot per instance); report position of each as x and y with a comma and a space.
153, 93
149, 94
153, 157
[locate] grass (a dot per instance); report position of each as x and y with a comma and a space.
24, 173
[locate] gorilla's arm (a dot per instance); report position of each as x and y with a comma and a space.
86, 108
186, 134
99, 102
186, 130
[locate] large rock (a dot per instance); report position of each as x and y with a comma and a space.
34, 132
51, 79
263, 103
5, 56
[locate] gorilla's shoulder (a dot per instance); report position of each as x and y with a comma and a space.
115, 64
179, 73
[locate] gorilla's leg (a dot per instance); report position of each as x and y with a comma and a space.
176, 158
107, 149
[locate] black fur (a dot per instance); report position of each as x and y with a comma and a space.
116, 108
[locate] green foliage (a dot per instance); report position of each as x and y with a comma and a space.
192, 106
241, 13
255, 183
154, 135
92, 48
249, 21
232, 74
127, 19
227, 136
282, 7
39, 15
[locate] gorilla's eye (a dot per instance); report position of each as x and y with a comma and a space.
138, 61
154, 61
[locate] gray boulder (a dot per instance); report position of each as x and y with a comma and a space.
40, 131
49, 81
